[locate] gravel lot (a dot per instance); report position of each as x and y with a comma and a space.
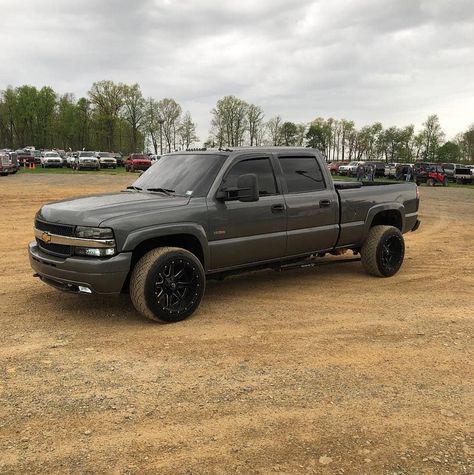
314, 370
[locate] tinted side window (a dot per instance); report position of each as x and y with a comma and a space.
302, 174
261, 167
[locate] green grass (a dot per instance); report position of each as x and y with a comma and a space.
58, 171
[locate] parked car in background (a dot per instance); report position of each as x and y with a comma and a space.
154, 158
119, 158
12, 159
137, 161
86, 160
70, 158
390, 170
37, 155
350, 169
457, 173
107, 160
333, 167
430, 173
378, 166
25, 158
5, 164
402, 169
51, 159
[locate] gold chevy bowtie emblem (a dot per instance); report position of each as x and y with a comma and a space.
46, 237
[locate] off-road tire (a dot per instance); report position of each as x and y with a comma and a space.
147, 274
374, 255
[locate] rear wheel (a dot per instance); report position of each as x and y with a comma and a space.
445, 182
167, 284
430, 182
383, 251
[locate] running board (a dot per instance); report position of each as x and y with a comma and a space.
316, 263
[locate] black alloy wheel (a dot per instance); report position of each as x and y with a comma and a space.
176, 285
167, 284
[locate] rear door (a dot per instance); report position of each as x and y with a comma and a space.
312, 205
248, 232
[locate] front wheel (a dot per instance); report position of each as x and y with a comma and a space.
383, 251
430, 182
167, 284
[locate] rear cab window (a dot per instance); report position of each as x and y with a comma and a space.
302, 174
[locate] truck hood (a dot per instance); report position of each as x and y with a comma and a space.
93, 210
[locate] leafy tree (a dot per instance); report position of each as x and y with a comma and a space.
107, 98
449, 152
289, 133
431, 138
229, 121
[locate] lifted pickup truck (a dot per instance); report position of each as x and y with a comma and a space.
198, 214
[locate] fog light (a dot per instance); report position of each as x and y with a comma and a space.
95, 252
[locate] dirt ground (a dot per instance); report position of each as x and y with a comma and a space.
314, 370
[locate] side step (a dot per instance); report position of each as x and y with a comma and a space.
316, 263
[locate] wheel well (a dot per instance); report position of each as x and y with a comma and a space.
390, 217
185, 241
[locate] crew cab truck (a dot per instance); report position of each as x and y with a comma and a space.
194, 215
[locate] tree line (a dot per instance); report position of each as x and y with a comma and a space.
113, 117
236, 123
117, 117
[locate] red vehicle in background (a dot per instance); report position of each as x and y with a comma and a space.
333, 167
430, 173
137, 161
25, 158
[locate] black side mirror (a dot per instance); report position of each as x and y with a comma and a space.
246, 189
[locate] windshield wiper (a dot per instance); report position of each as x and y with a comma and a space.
134, 188
166, 191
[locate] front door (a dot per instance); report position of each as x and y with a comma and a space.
248, 232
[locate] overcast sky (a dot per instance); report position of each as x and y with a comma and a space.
367, 60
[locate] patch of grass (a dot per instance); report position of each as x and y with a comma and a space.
39, 170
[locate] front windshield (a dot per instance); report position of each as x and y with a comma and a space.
106, 155
189, 175
51, 154
86, 154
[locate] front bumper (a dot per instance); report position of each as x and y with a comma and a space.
100, 275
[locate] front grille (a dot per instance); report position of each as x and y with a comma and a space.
53, 228
55, 249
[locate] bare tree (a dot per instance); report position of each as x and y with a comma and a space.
255, 122
134, 110
187, 131
170, 113
274, 129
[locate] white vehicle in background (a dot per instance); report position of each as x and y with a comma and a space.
51, 159
390, 170
350, 169
107, 159
86, 160
154, 158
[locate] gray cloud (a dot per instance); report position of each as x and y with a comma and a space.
367, 60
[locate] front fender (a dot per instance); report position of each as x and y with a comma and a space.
136, 237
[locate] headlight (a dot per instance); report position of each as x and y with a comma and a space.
87, 232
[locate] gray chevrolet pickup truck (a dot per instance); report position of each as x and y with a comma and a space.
203, 214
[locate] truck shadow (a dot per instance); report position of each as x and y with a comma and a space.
119, 309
